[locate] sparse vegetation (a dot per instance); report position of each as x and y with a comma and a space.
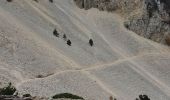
67, 96
8, 90
39, 76
26, 95
7, 93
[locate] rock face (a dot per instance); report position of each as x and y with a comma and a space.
148, 18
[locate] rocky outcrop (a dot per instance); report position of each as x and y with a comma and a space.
153, 23
148, 18
100, 4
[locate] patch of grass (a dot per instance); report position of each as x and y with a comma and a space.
8, 90
39, 76
67, 96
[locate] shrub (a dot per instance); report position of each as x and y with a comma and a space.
39, 76
66, 96
8, 90
26, 95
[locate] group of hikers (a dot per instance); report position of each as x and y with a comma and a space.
69, 43
143, 97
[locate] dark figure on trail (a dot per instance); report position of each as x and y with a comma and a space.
36, 0
143, 97
69, 42
51, 1
9, 0
65, 37
55, 33
111, 98
91, 42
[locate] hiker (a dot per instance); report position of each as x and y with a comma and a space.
91, 42
55, 33
65, 37
51, 1
143, 97
69, 42
36, 0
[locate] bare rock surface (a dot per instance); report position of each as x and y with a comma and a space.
120, 64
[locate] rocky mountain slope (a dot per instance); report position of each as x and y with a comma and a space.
120, 64
148, 18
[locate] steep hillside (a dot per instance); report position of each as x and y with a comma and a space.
119, 64
147, 18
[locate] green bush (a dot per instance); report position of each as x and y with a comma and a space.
66, 95
8, 90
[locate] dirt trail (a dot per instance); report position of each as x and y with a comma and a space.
139, 70
84, 23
